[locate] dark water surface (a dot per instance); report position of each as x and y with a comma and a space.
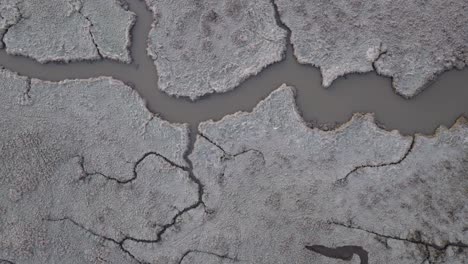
440, 104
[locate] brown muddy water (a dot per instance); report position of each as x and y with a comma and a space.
440, 104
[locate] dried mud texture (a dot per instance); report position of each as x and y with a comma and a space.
9, 15
274, 189
210, 46
67, 30
87, 175
83, 164
274, 186
411, 41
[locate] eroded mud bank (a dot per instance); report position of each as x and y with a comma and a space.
88, 174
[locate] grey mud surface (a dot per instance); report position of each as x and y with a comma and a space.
401, 199
76, 154
410, 41
211, 46
89, 175
66, 30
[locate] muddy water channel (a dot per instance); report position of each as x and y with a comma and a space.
440, 104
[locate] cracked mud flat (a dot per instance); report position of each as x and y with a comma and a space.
90, 176
66, 30
411, 41
290, 187
71, 151
211, 46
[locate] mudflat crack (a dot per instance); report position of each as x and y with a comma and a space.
148, 121
213, 143
28, 87
227, 155
381, 53
134, 171
8, 26
25, 98
417, 240
2, 34
344, 180
5, 261
282, 25
193, 178
428, 256
116, 242
222, 256
280, 22
164, 228
94, 43
344, 252
91, 25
